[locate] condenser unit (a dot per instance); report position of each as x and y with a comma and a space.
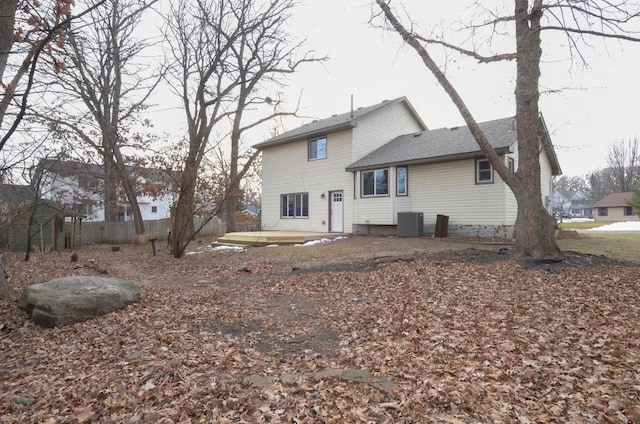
410, 224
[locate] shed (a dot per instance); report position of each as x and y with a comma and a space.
50, 224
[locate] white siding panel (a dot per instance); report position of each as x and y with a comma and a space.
381, 127
546, 180
450, 189
286, 169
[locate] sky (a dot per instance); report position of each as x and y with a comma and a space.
586, 108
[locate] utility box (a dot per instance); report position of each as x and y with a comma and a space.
410, 224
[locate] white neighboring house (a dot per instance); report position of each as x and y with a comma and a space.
80, 187
377, 168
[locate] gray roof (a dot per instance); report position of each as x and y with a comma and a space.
440, 145
14, 192
335, 123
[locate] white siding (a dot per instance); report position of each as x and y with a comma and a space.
442, 189
546, 181
380, 127
286, 169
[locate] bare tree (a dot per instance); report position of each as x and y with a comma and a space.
226, 52
34, 26
534, 226
623, 164
104, 90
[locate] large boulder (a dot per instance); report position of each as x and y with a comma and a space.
64, 301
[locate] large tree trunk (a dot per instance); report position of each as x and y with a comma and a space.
7, 37
534, 227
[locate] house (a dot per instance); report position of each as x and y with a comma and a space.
615, 207
80, 187
573, 203
50, 225
359, 171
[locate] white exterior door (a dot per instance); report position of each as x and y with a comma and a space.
336, 212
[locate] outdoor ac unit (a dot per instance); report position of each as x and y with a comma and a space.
410, 224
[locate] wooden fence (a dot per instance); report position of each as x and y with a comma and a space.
124, 232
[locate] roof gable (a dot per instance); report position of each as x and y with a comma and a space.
440, 145
336, 123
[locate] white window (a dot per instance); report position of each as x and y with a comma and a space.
511, 164
295, 205
375, 183
401, 181
484, 171
318, 148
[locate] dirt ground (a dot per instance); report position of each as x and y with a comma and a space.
361, 329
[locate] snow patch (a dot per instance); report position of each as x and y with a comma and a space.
626, 226
320, 241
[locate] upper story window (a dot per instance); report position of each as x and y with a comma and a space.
401, 181
375, 183
511, 164
318, 148
484, 171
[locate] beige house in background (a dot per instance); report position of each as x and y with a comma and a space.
362, 171
615, 207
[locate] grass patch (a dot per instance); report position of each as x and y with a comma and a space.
620, 246
581, 225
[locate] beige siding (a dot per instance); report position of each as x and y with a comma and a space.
381, 127
546, 181
614, 214
286, 169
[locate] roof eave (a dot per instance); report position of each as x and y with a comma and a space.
430, 160
305, 135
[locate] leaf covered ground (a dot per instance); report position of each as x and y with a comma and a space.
367, 330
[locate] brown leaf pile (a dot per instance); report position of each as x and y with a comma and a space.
279, 335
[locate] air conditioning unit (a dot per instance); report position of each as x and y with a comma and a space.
410, 224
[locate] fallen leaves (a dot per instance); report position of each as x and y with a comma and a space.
413, 341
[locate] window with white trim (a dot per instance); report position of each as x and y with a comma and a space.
484, 171
511, 164
401, 181
295, 205
375, 183
318, 148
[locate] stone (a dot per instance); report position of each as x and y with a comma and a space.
67, 300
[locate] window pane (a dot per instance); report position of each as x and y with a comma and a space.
382, 181
402, 181
367, 183
305, 205
485, 172
318, 149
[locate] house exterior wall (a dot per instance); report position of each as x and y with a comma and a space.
377, 129
546, 182
286, 169
614, 214
68, 191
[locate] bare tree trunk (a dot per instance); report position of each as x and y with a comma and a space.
5, 288
183, 229
534, 229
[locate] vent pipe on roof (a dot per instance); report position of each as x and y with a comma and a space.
352, 105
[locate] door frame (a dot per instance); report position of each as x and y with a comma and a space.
331, 211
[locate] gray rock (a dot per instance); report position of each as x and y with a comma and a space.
64, 301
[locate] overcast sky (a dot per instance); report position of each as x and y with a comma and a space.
587, 110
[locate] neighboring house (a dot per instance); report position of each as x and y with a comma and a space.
356, 172
80, 187
52, 226
574, 203
615, 207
